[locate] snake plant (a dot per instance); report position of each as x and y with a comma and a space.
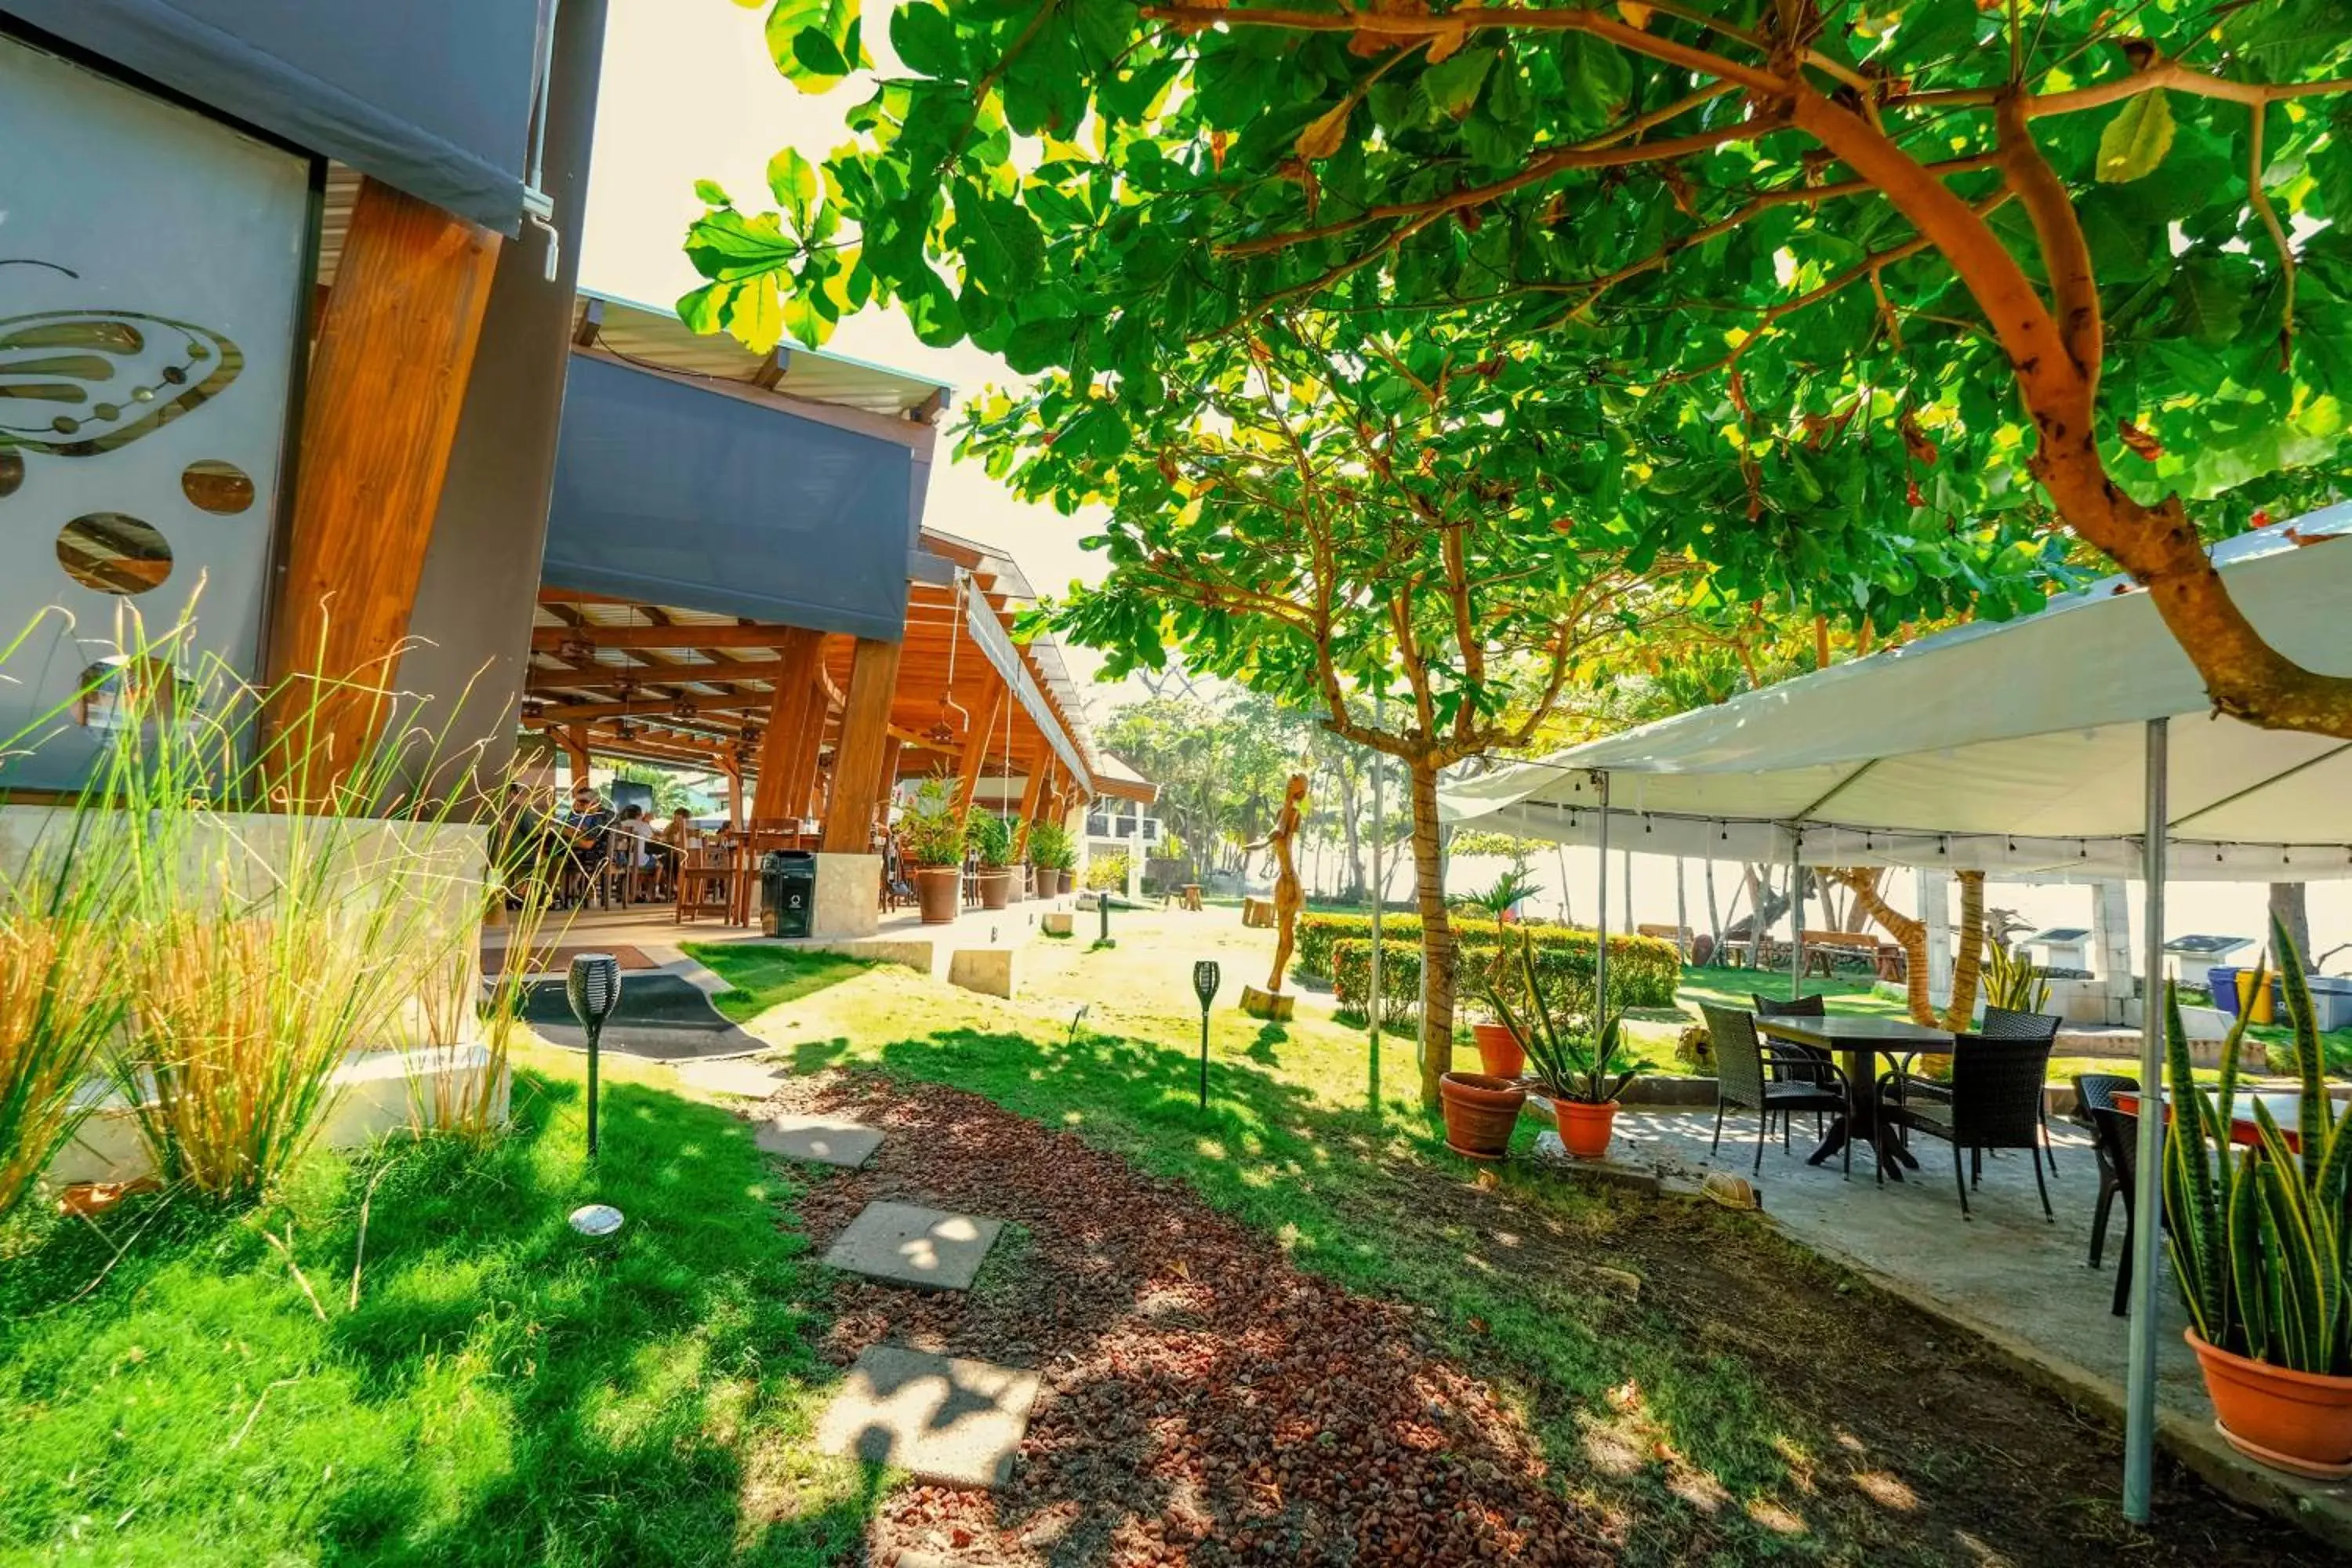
2259, 1234
1569, 1064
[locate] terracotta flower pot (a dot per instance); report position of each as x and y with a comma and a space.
2294, 1421
1480, 1112
1500, 1051
939, 889
1585, 1130
1061, 881
1049, 882
995, 887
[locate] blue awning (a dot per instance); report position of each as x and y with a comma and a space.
666, 493
431, 96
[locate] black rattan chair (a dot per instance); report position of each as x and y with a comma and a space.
1995, 1103
2094, 1098
2008, 1023
1744, 1066
1803, 1059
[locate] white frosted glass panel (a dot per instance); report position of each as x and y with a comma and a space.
150, 263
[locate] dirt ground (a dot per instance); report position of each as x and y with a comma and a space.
1207, 1403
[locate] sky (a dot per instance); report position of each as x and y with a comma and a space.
690, 93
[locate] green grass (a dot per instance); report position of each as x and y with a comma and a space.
504, 1393
765, 977
1289, 1147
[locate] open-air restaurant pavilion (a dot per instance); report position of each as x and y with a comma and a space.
2077, 743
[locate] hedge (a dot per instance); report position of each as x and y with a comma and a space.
1643, 971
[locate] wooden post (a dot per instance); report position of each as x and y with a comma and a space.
857, 756
388, 374
889, 781
788, 717
976, 745
575, 747
734, 771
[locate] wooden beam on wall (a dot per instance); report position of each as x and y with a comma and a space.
387, 383
554, 639
857, 760
797, 663
975, 744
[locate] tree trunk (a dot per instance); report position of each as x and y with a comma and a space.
1681, 916
1436, 936
1967, 959
1909, 934
1713, 916
1354, 832
2291, 908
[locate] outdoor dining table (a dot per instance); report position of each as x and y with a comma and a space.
2286, 1110
1858, 1042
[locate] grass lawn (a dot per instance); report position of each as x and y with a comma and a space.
504, 1392
1743, 1470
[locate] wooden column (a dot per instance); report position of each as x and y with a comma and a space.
975, 744
387, 381
890, 755
857, 756
1033, 791
788, 717
575, 747
801, 782
734, 771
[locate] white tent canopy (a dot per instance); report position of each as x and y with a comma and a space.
2009, 747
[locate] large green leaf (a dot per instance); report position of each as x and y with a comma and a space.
797, 187
2135, 141
1596, 76
925, 40
814, 64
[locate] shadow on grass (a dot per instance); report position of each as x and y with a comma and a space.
504, 1391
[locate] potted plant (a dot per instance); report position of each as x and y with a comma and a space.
1501, 1053
2258, 1240
931, 830
1500, 1050
992, 838
1052, 852
1576, 1069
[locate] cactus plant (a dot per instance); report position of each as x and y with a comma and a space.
1570, 1064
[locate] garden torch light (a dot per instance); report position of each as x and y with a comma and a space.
1205, 985
593, 989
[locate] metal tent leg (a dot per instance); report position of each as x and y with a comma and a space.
2139, 1376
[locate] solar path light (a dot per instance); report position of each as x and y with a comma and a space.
1205, 985
593, 989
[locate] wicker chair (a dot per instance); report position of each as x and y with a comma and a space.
2008, 1023
2117, 1136
1744, 1068
1995, 1102
1803, 1059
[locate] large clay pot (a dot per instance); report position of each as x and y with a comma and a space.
1585, 1130
996, 888
1061, 876
941, 891
1499, 1051
2294, 1421
1480, 1112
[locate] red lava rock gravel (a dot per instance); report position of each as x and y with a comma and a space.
1205, 1403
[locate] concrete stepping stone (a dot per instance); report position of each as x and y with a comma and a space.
953, 1422
741, 1077
909, 1245
826, 1140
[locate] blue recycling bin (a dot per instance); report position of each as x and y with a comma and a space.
2223, 979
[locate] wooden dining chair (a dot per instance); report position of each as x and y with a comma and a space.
706, 881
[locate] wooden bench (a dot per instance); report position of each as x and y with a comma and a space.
1824, 948
1679, 935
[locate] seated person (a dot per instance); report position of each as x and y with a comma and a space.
585, 831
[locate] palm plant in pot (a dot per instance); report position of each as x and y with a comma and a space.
1053, 853
1577, 1069
2261, 1241
1500, 1050
933, 832
993, 840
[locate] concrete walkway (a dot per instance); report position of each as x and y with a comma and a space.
2009, 1274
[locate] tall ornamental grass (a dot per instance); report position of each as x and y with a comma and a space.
256, 910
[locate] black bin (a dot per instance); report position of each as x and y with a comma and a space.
787, 891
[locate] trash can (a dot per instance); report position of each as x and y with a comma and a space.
2222, 980
787, 891
2331, 1001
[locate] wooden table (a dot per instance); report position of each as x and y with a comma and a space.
1859, 1043
2286, 1110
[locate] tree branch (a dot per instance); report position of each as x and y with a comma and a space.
2065, 254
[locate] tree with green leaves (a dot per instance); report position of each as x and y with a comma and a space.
1836, 270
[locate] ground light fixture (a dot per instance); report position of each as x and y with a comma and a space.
1205, 976
593, 989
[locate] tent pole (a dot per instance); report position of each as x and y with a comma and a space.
1796, 915
2139, 1377
1601, 932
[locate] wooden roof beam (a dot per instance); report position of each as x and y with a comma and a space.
555, 639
